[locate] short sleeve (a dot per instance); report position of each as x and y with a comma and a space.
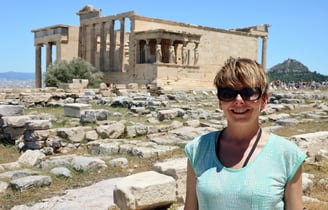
297, 158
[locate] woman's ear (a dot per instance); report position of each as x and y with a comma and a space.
264, 102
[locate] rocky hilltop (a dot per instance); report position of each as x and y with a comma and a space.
293, 70
289, 66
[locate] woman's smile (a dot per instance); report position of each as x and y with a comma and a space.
240, 110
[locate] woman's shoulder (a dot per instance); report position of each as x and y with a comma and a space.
204, 138
279, 140
280, 143
202, 141
201, 148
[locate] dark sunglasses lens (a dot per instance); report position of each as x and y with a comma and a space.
227, 94
250, 94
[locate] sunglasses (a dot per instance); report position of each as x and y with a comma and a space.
247, 94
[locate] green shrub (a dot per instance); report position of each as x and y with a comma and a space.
65, 72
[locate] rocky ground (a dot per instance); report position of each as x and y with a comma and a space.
136, 136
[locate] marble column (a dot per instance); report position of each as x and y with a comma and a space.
121, 55
38, 74
58, 50
93, 42
264, 49
102, 46
82, 42
147, 51
112, 45
49, 55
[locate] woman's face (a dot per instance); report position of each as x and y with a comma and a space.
242, 105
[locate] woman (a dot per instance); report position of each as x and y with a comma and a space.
242, 166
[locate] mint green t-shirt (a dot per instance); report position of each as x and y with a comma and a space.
259, 185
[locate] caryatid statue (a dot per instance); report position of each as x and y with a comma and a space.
158, 53
172, 58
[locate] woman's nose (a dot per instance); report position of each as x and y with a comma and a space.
239, 98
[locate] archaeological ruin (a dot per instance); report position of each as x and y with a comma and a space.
129, 48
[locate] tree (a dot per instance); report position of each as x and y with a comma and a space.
77, 68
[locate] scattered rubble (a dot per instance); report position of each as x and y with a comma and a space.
151, 125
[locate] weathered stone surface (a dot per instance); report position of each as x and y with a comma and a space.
307, 183
15, 121
176, 168
74, 135
92, 116
80, 163
18, 173
121, 101
312, 143
11, 110
106, 147
287, 122
25, 183
165, 139
113, 131
35, 98
145, 190
170, 114
151, 151
38, 125
3, 187
31, 157
275, 117
9, 166
91, 135
187, 133
192, 123
131, 131
98, 196
61, 171
119, 162
74, 110
54, 162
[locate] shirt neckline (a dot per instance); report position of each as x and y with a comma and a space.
249, 165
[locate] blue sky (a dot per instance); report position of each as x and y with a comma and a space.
298, 28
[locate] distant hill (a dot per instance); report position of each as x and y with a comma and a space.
13, 75
293, 70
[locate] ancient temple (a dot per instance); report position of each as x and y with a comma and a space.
129, 48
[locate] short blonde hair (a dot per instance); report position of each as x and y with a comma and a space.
242, 72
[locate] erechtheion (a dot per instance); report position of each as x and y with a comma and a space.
129, 48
